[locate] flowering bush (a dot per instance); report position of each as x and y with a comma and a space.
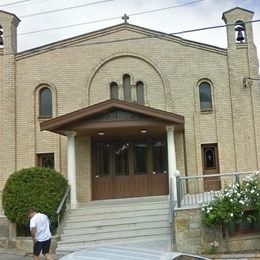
230, 203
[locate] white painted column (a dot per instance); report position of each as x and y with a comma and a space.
172, 168
71, 167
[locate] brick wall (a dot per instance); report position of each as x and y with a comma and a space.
79, 73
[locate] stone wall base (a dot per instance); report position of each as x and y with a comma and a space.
7, 233
25, 244
192, 236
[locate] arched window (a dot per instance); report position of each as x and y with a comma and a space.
140, 92
1, 36
127, 88
205, 96
45, 103
240, 29
114, 90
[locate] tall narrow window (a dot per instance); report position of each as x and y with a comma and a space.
1, 36
121, 158
45, 99
140, 157
127, 88
114, 90
159, 156
140, 92
205, 96
102, 159
209, 158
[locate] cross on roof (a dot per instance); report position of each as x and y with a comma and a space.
125, 17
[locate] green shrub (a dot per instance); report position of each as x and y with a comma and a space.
232, 202
39, 188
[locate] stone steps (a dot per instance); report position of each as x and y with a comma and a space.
116, 221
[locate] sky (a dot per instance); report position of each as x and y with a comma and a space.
40, 23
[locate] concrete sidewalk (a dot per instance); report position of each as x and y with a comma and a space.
13, 254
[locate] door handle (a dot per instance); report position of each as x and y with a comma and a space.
97, 176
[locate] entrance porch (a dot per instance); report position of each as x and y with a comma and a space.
132, 148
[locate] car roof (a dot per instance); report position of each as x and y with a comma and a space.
120, 253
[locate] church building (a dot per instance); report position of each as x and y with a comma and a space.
120, 110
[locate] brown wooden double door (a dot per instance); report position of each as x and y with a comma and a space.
129, 168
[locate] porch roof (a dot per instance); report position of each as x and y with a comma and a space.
112, 118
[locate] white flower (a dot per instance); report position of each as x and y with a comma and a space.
216, 244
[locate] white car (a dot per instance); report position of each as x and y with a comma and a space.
127, 253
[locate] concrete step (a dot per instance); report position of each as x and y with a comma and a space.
114, 221
112, 215
125, 201
114, 228
115, 235
95, 208
71, 247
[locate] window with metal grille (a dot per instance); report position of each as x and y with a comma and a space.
46, 160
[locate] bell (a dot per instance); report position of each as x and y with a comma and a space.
240, 36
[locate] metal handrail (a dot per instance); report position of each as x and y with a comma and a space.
216, 175
1, 206
198, 196
171, 214
170, 201
65, 197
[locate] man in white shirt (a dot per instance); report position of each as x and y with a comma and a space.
41, 235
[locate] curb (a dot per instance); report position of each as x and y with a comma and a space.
236, 256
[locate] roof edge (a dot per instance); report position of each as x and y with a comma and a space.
15, 18
94, 34
235, 8
95, 109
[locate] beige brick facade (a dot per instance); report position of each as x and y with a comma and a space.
79, 70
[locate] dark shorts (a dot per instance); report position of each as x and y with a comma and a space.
43, 247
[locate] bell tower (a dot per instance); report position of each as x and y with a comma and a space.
8, 50
242, 54
8, 32
244, 87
